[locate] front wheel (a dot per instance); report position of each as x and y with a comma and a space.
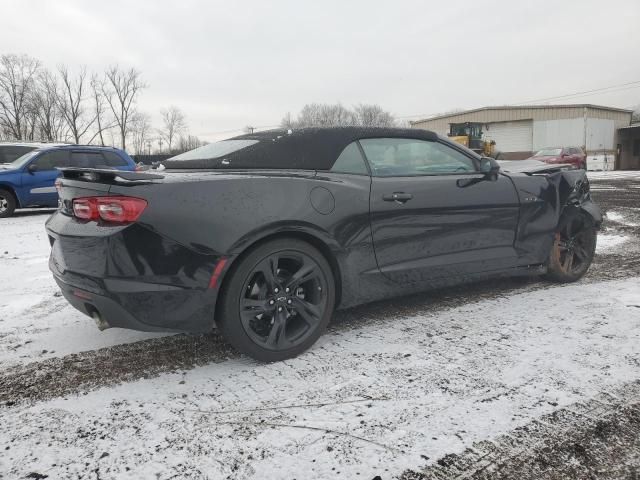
7, 203
278, 300
573, 248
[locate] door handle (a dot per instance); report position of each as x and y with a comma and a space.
399, 197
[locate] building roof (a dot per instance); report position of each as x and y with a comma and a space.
518, 107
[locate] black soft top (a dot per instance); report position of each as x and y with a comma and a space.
305, 148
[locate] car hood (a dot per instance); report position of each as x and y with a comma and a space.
532, 166
6, 167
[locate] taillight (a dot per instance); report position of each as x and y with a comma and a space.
110, 209
85, 209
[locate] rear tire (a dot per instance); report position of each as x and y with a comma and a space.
573, 248
7, 203
277, 301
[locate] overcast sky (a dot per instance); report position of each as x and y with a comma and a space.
231, 64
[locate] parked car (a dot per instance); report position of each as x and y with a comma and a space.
28, 181
569, 155
264, 235
9, 151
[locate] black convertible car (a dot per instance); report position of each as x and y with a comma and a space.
264, 235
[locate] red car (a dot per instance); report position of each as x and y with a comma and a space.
570, 155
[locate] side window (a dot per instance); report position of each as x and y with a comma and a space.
87, 159
396, 157
114, 160
9, 153
350, 161
52, 160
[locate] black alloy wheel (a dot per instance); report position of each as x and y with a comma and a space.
284, 296
573, 249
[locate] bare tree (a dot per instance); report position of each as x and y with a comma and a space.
99, 109
120, 91
286, 121
326, 115
17, 77
140, 132
188, 142
322, 115
635, 116
373, 116
173, 124
45, 107
72, 103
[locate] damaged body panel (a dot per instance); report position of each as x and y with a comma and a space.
547, 193
375, 213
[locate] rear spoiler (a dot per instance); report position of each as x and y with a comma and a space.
104, 175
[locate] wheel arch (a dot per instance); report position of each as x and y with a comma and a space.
295, 233
9, 188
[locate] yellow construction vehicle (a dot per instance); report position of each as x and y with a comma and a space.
469, 134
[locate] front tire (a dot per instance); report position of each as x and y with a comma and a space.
573, 248
278, 300
7, 203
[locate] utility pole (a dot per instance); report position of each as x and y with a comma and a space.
160, 143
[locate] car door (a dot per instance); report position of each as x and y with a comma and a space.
434, 215
38, 182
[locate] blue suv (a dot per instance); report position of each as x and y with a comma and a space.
29, 180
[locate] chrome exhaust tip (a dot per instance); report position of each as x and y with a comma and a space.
101, 323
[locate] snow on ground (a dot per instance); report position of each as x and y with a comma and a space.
607, 242
615, 234
619, 217
35, 321
369, 401
614, 174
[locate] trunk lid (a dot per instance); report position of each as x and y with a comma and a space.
88, 182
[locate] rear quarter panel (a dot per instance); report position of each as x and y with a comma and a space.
224, 214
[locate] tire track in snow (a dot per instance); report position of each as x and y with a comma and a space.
596, 439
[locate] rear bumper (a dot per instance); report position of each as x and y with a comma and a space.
132, 277
104, 308
179, 310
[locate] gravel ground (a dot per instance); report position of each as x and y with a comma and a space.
596, 439
40, 381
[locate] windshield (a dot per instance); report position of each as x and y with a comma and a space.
549, 152
215, 150
21, 161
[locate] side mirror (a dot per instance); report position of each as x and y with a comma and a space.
32, 168
489, 166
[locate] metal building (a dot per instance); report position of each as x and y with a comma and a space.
520, 131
